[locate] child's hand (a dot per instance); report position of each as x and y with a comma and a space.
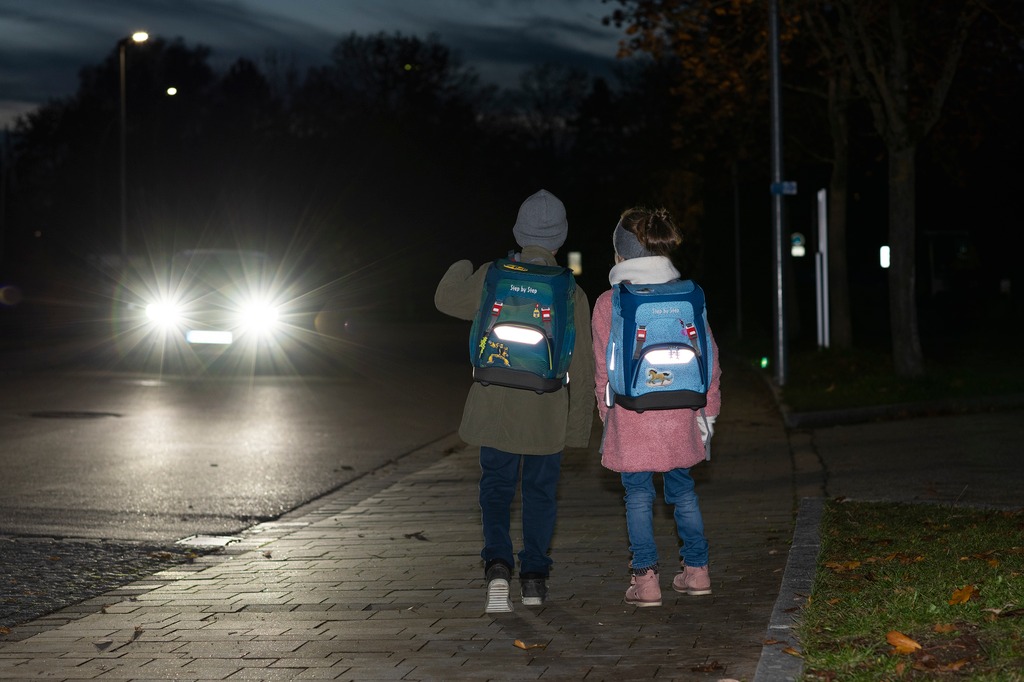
707, 427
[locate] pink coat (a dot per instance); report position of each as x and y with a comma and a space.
655, 440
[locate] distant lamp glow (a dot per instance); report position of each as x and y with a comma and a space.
515, 334
883, 257
172, 91
140, 36
576, 263
764, 362
797, 245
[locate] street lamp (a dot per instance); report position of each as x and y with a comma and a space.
137, 37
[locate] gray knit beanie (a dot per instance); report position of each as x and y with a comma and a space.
541, 222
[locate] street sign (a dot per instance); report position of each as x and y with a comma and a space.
787, 187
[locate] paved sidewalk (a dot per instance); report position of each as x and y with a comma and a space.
382, 580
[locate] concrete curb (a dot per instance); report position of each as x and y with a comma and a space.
775, 664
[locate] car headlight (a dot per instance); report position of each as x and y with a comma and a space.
164, 314
259, 316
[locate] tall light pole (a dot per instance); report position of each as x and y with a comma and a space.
122, 45
779, 188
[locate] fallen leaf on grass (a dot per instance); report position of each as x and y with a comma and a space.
944, 627
842, 566
963, 595
523, 645
901, 643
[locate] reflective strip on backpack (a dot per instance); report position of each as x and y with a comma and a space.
691, 333
495, 313
641, 337
545, 317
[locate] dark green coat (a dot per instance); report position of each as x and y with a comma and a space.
517, 420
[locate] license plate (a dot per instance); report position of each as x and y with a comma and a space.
210, 337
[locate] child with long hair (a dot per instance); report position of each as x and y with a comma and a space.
665, 441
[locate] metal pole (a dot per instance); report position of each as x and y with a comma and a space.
738, 260
123, 162
5, 160
821, 270
778, 251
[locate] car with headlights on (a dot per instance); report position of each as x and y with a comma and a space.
208, 303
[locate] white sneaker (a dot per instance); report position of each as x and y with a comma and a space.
498, 600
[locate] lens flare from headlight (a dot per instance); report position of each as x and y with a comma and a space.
164, 314
259, 316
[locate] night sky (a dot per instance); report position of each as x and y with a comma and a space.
43, 45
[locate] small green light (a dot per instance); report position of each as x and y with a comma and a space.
764, 362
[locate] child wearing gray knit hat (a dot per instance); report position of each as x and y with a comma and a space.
541, 222
522, 433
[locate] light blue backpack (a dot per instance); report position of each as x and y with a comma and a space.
659, 354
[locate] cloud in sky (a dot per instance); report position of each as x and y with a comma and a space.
43, 45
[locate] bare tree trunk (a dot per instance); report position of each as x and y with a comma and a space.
906, 342
841, 328
886, 58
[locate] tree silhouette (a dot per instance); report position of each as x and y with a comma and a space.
905, 72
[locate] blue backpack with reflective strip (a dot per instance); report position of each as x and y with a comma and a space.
525, 329
659, 354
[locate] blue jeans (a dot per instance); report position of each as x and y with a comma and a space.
640, 517
499, 476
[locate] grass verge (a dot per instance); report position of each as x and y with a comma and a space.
916, 592
834, 379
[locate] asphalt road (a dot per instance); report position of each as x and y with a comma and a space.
129, 456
